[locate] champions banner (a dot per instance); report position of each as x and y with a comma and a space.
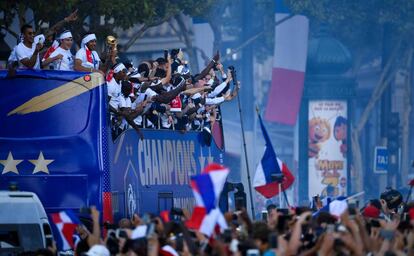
327, 148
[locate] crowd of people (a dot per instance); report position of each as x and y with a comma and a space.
382, 227
160, 94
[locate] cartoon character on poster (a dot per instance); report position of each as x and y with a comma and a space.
319, 132
327, 148
340, 133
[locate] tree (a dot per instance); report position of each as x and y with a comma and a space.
114, 14
360, 25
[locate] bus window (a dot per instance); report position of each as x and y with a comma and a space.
165, 201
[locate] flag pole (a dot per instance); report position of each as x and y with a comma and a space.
279, 182
244, 146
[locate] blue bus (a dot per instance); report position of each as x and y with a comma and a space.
55, 141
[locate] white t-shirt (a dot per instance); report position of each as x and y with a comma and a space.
125, 102
114, 91
81, 55
23, 52
149, 92
66, 63
13, 56
138, 119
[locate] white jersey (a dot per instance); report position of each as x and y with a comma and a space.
66, 63
124, 102
23, 52
81, 55
114, 91
13, 57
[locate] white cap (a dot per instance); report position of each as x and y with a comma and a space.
98, 250
139, 232
183, 70
65, 34
119, 67
338, 207
87, 38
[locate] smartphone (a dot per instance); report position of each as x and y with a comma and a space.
375, 224
166, 54
121, 233
330, 228
85, 210
283, 211
150, 230
226, 236
146, 218
273, 240
49, 241
352, 209
253, 252
264, 215
282, 223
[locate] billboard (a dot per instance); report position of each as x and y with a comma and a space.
327, 148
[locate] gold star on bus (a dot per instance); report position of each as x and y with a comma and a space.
10, 164
41, 164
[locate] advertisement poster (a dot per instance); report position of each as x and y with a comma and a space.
327, 148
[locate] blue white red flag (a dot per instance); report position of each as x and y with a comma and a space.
63, 225
208, 185
289, 65
207, 188
268, 167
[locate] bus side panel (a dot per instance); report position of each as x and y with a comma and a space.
49, 122
154, 174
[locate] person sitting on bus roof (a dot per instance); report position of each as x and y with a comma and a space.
62, 58
27, 53
87, 59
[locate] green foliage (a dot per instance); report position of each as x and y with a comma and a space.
225, 16
125, 14
360, 24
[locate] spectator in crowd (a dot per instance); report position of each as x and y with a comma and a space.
62, 57
27, 51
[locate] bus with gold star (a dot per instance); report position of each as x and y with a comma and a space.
55, 141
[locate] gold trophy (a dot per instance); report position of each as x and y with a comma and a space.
112, 42
112, 46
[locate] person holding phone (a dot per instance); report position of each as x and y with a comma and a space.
26, 54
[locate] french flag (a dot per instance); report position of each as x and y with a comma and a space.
207, 187
289, 65
63, 225
270, 165
50, 50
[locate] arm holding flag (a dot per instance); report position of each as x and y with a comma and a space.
95, 236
